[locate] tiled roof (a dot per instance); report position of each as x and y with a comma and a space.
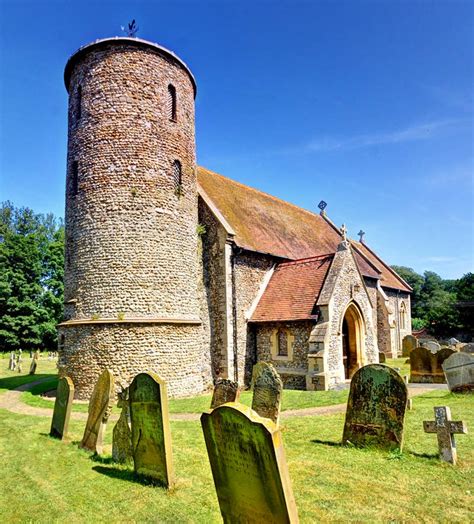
266, 224
293, 290
388, 277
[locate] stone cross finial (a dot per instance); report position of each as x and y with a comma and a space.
344, 232
361, 235
445, 428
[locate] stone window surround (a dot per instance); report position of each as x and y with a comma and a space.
290, 339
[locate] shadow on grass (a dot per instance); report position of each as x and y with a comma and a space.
328, 443
429, 456
14, 382
101, 460
127, 475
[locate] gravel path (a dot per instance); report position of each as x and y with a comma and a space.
11, 401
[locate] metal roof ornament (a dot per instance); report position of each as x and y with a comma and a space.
361, 235
322, 206
131, 29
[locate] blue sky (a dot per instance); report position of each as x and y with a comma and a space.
366, 105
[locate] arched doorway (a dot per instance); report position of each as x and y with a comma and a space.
352, 340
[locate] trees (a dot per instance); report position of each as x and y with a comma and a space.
31, 275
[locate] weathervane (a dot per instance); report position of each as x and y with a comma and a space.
322, 205
361, 235
344, 232
131, 29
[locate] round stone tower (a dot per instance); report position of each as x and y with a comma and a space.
131, 268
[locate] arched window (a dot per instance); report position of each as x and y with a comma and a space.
403, 316
172, 103
177, 177
74, 177
282, 343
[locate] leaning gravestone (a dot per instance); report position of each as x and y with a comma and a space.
459, 371
62, 408
122, 435
100, 406
248, 466
267, 387
151, 437
224, 391
429, 344
376, 408
409, 343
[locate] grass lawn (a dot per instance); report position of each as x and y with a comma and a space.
331, 483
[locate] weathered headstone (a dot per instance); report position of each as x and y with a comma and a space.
267, 387
100, 406
376, 408
151, 437
409, 343
19, 365
429, 344
12, 363
224, 391
122, 435
459, 371
382, 357
468, 348
62, 408
445, 429
33, 366
453, 341
426, 367
248, 466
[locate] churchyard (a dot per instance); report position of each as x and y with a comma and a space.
45, 479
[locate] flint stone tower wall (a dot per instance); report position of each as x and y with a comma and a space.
131, 269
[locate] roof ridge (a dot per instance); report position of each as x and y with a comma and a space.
261, 192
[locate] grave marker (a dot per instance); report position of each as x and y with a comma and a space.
248, 466
382, 357
376, 408
151, 437
426, 367
62, 408
445, 429
267, 387
468, 348
429, 344
100, 406
459, 371
224, 391
122, 435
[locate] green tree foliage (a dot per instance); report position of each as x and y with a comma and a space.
436, 302
31, 278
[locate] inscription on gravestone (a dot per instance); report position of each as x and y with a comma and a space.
100, 406
248, 466
224, 391
267, 387
62, 408
151, 437
376, 408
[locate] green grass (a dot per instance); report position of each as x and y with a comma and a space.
331, 483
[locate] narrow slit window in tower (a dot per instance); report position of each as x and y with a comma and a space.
74, 177
177, 176
172, 103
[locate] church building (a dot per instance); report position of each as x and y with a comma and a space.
175, 269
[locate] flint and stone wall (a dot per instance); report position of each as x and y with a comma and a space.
131, 239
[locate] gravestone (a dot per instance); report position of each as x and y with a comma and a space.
453, 341
12, 363
468, 348
267, 387
19, 365
62, 408
224, 391
382, 358
122, 435
376, 408
100, 406
33, 366
429, 344
248, 466
445, 428
459, 371
151, 437
409, 343
426, 367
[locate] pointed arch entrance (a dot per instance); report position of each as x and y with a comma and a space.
352, 340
